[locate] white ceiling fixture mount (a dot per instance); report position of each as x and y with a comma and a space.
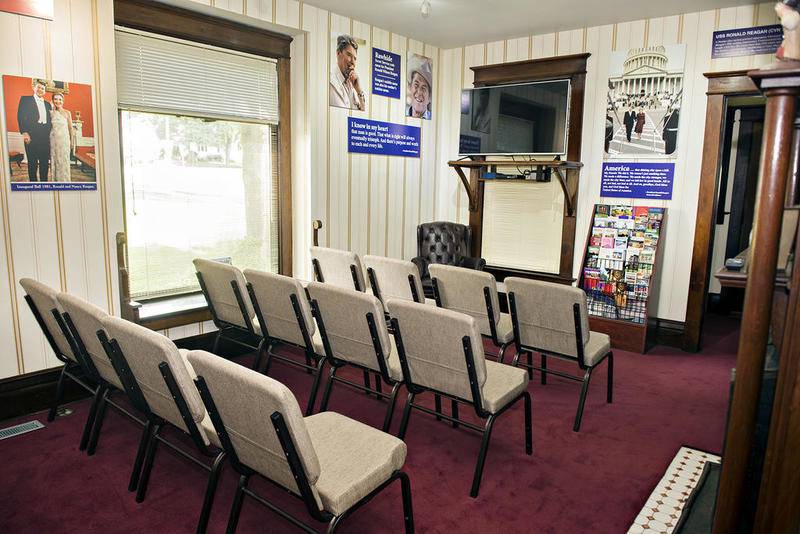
425, 9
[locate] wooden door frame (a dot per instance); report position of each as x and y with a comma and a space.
721, 86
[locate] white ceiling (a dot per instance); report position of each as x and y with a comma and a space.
455, 23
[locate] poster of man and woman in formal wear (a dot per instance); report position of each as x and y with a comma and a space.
49, 134
349, 82
645, 91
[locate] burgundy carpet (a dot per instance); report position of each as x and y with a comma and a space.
593, 481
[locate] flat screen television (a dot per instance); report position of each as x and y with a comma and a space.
525, 119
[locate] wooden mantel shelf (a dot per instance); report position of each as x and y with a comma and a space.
560, 168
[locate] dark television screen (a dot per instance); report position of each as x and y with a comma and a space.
528, 118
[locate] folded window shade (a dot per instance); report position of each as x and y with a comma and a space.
522, 225
165, 75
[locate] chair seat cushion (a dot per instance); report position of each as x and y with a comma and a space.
505, 328
598, 346
503, 384
354, 459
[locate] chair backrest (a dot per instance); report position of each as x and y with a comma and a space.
462, 290
391, 278
344, 314
335, 266
443, 242
273, 293
433, 346
88, 320
245, 401
45, 298
217, 277
144, 350
544, 313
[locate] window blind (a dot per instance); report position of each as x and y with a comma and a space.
522, 225
166, 75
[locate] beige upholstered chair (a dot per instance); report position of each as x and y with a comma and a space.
334, 464
223, 285
161, 381
442, 351
391, 278
354, 333
474, 293
552, 319
338, 267
43, 303
283, 311
83, 321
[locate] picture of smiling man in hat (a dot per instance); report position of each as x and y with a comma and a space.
420, 87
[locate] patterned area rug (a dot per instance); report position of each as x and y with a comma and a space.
663, 508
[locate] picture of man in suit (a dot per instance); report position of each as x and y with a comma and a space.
33, 117
629, 120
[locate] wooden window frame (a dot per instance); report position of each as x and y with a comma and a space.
181, 23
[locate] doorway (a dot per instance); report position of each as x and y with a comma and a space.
736, 196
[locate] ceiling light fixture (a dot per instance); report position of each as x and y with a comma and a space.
425, 9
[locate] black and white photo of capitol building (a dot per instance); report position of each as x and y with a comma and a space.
645, 87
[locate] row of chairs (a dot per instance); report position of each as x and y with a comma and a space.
333, 463
545, 318
424, 347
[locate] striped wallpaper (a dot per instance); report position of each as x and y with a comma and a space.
370, 204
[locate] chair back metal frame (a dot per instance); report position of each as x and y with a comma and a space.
304, 491
314, 362
414, 389
487, 295
544, 353
154, 424
373, 282
337, 363
353, 273
225, 328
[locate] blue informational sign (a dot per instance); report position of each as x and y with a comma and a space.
54, 186
638, 180
385, 73
746, 41
366, 136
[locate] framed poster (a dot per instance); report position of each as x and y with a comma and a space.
50, 134
42, 9
349, 77
419, 91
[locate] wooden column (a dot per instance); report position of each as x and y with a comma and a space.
779, 86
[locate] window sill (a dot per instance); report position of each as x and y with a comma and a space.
170, 312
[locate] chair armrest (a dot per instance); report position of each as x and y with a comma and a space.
422, 266
472, 263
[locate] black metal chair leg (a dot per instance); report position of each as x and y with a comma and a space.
211, 490
147, 466
502, 354
526, 397
268, 360
406, 414
260, 355
236, 509
387, 421
89, 425
610, 384
51, 415
334, 524
530, 364
98, 424
326, 396
408, 511
215, 346
454, 410
437, 403
487, 434
515, 359
544, 368
314, 387
366, 382
137, 463
585, 389
378, 386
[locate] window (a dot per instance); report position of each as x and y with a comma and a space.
199, 135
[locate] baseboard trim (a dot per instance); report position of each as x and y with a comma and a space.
34, 392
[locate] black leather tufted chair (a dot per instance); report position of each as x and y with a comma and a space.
447, 243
